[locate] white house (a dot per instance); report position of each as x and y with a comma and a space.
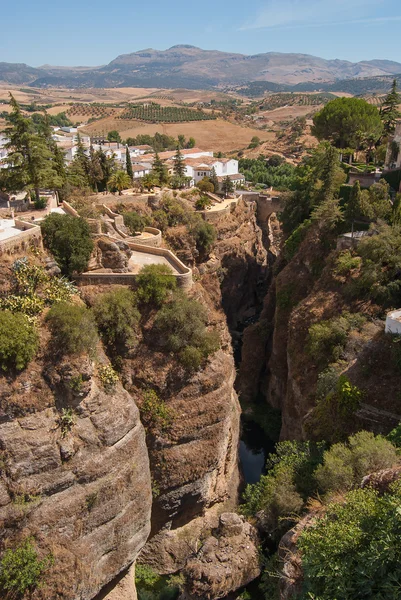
197, 169
139, 171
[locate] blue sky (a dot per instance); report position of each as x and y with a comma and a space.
88, 32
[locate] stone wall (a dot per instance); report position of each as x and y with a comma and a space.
30, 235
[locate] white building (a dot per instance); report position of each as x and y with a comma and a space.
393, 322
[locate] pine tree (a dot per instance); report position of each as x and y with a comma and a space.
389, 110
95, 170
128, 164
30, 161
179, 164
159, 170
214, 180
227, 186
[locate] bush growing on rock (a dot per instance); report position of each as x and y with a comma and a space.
21, 570
73, 329
19, 341
204, 235
354, 549
181, 328
346, 464
117, 317
69, 240
328, 338
155, 282
135, 222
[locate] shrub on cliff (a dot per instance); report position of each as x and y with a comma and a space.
19, 341
344, 465
155, 282
117, 317
181, 328
69, 240
21, 570
135, 222
204, 235
73, 329
354, 549
327, 338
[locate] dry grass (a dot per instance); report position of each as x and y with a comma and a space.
214, 135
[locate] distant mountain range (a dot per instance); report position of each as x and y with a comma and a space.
194, 68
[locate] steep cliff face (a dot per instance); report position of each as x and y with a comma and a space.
81, 488
277, 365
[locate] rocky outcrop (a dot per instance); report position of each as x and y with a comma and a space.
113, 255
75, 477
228, 560
194, 463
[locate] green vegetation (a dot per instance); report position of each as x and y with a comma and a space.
19, 341
154, 284
327, 339
204, 235
378, 277
348, 123
154, 411
151, 586
181, 328
353, 550
108, 377
120, 180
135, 222
203, 203
117, 317
345, 465
21, 570
389, 112
73, 329
59, 120
261, 170
66, 420
154, 113
69, 240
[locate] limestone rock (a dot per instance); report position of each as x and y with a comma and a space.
89, 484
114, 255
228, 560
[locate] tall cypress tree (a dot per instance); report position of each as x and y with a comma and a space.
214, 180
179, 164
128, 164
354, 206
389, 110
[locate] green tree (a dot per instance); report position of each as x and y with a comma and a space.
114, 136
214, 180
119, 181
30, 161
117, 317
389, 112
69, 240
227, 186
191, 142
347, 123
204, 235
155, 282
128, 164
73, 329
181, 141
159, 170
147, 182
180, 327
205, 185
135, 222
19, 341
95, 172
179, 164
354, 205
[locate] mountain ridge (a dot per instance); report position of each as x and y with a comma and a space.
188, 66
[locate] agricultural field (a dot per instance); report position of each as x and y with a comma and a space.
154, 113
211, 135
279, 100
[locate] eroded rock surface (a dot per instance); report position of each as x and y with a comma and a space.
228, 560
80, 489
